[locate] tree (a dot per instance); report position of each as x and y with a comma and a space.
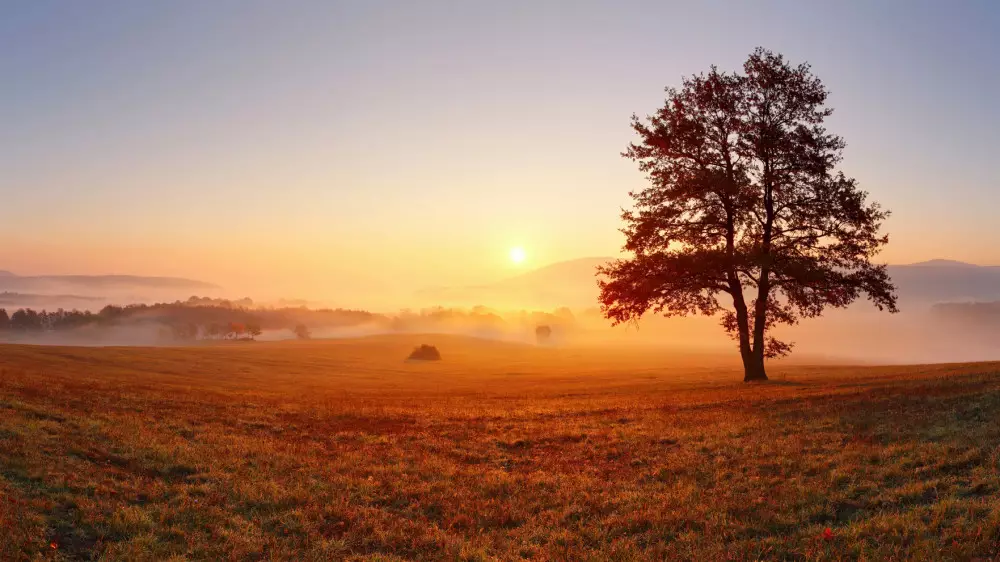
184, 331
302, 332
237, 330
253, 330
110, 313
4, 320
543, 333
213, 330
746, 215
26, 319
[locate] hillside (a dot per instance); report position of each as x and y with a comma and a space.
89, 283
91, 292
343, 451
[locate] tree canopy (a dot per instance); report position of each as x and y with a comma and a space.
746, 215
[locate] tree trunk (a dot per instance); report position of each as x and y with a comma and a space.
751, 372
753, 368
755, 372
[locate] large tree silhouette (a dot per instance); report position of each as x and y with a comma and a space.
746, 215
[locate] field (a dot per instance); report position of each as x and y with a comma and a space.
340, 450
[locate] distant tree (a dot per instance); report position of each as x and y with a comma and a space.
185, 331
110, 313
214, 330
253, 330
4, 320
26, 320
302, 332
543, 334
166, 334
565, 314
237, 330
745, 201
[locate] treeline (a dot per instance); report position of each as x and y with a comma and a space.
197, 318
201, 318
29, 320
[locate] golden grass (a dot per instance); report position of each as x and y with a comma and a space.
340, 450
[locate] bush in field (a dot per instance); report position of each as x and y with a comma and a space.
425, 353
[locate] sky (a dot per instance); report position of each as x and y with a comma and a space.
355, 148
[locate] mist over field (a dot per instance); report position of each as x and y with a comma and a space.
945, 315
499, 281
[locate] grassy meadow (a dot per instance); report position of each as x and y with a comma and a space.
341, 450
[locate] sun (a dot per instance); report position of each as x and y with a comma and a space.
517, 254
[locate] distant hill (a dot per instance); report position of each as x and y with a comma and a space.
573, 284
7, 298
946, 281
89, 284
942, 263
13, 301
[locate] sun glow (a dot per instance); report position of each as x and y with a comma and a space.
517, 254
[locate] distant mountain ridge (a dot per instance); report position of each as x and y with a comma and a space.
42, 283
573, 283
943, 263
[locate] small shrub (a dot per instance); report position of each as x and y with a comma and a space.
425, 353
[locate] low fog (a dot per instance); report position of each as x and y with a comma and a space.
854, 335
948, 313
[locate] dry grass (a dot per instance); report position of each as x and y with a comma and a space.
341, 450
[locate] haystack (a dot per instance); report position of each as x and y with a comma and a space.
425, 353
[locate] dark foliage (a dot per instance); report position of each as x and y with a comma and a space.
217, 319
186, 321
543, 334
302, 332
746, 216
425, 353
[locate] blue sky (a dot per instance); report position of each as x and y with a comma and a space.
262, 143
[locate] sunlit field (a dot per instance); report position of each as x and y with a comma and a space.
341, 450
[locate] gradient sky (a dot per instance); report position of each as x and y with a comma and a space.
339, 148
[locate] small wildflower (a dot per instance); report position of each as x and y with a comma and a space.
828, 533
54, 544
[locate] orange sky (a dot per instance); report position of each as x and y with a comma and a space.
341, 150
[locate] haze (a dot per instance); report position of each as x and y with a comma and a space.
394, 155
511, 280
359, 151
